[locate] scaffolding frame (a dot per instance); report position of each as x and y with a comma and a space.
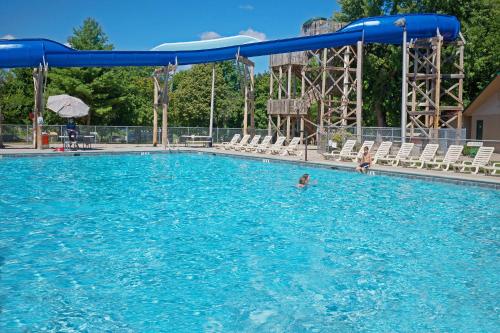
330, 77
434, 80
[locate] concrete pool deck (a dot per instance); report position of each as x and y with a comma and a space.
314, 159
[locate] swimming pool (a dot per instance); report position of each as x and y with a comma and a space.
200, 243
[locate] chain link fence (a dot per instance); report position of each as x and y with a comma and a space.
336, 136
23, 134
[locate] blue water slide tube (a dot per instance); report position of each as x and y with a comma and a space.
32, 52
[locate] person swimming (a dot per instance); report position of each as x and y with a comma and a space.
365, 161
304, 180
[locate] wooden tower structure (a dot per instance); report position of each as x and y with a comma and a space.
434, 80
330, 81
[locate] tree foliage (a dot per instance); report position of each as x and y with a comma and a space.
124, 96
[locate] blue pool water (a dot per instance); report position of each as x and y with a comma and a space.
199, 243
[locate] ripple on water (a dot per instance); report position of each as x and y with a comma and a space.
191, 243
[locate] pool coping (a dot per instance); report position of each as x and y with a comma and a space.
407, 173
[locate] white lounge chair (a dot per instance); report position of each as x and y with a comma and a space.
427, 155
344, 152
493, 170
291, 149
275, 148
266, 142
403, 153
382, 151
354, 157
481, 159
253, 143
233, 141
242, 143
452, 155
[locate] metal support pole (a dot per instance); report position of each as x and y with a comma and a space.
345, 90
212, 99
155, 111
303, 96
165, 101
269, 118
359, 90
289, 97
245, 113
437, 98
404, 88
38, 81
305, 148
1, 122
251, 98
324, 69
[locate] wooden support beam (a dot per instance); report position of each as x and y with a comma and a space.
245, 61
166, 74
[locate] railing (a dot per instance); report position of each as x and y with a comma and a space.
118, 134
444, 137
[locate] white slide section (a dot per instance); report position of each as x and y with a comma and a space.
206, 44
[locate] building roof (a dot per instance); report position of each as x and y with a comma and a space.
492, 88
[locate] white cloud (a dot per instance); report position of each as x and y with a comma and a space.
67, 44
8, 36
209, 35
252, 33
246, 7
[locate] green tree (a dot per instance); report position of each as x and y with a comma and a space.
16, 96
83, 82
261, 98
190, 98
90, 36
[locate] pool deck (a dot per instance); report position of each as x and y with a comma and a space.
314, 159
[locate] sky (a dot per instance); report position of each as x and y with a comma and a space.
141, 25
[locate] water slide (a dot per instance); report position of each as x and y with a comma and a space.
32, 52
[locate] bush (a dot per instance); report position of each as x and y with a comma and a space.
470, 151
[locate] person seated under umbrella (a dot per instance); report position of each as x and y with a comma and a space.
71, 131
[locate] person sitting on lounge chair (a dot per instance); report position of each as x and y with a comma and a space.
365, 161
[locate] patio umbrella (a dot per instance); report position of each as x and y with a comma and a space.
67, 106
